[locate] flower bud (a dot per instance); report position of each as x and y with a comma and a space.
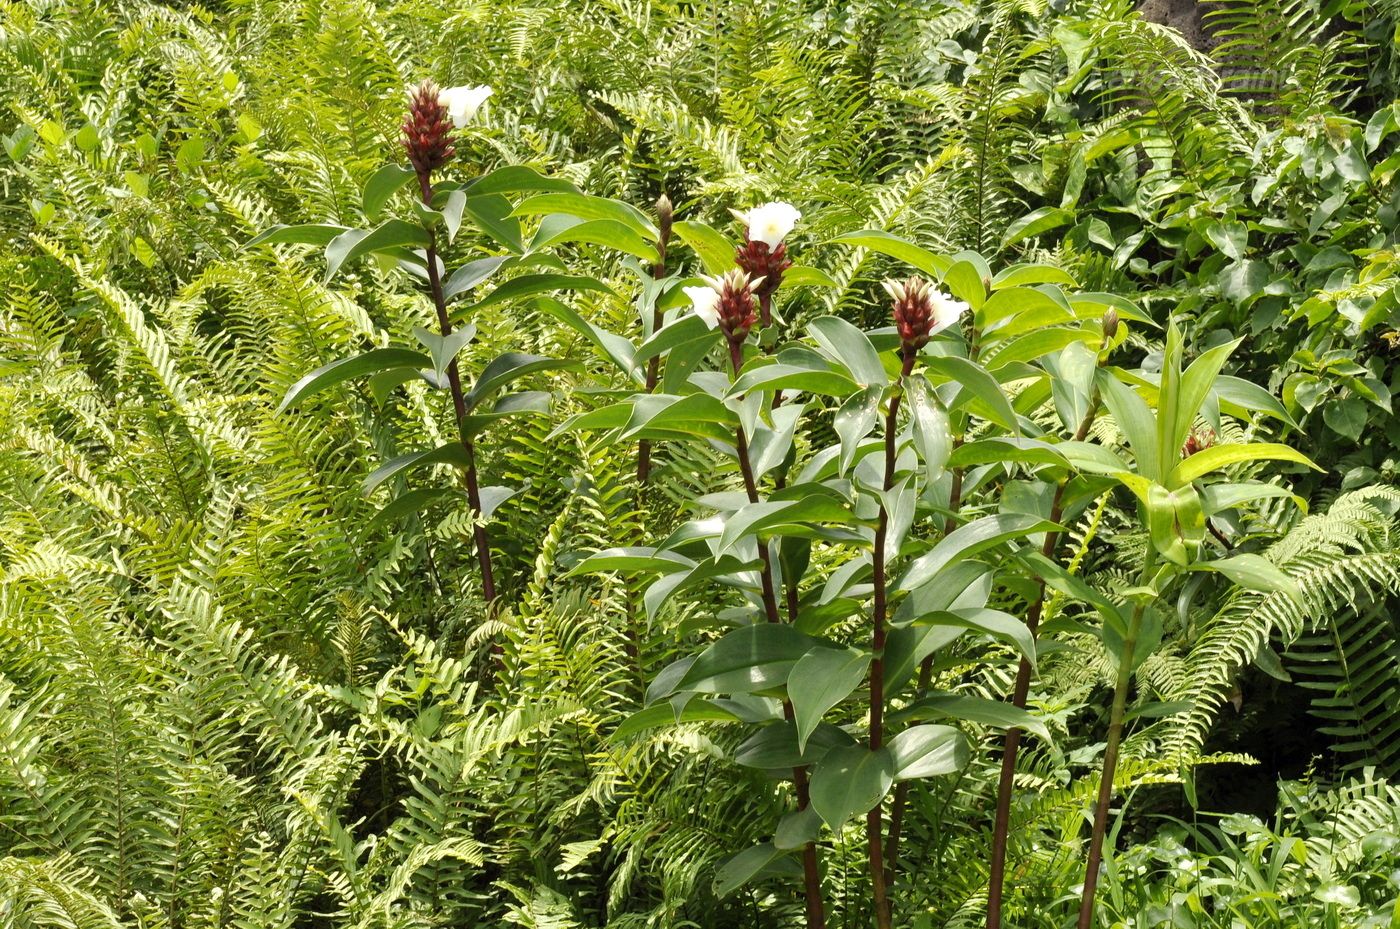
665, 215
1110, 325
920, 312
727, 303
1198, 441
427, 132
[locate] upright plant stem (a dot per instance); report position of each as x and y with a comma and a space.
811, 868
459, 405
658, 271
873, 819
1006, 785
901, 791
1110, 767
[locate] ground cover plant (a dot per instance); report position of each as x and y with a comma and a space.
617, 464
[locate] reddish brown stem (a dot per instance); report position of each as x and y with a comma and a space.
1011, 744
811, 868
459, 405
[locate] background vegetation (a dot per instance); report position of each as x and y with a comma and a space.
234, 692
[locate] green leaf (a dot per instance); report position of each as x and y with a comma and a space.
928, 751
1134, 420
714, 249
854, 421
978, 384
800, 276
513, 178
529, 285
797, 828
978, 710
1034, 223
1023, 275
469, 275
877, 240
444, 349
821, 679
491, 213
618, 350
993, 622
851, 347
605, 232
1006, 449
319, 234
850, 781
355, 243
791, 377
1197, 383
744, 867
774, 747
686, 329
663, 714
371, 362
509, 367
382, 185
450, 453
749, 659
765, 517
1219, 456
966, 541
589, 207
932, 430
1254, 572
635, 559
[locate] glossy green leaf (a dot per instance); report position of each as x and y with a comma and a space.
1254, 572
449, 453
589, 207
382, 185
356, 243
1034, 223
492, 214
966, 541
714, 249
744, 867
1220, 456
748, 659
444, 349
883, 242
851, 347
978, 384
980, 710
605, 232
509, 367
344, 369
928, 751
850, 781
821, 679
306, 234
469, 275
698, 710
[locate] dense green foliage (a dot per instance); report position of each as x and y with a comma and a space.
236, 690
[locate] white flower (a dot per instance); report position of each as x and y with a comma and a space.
706, 301
946, 310
769, 223
463, 102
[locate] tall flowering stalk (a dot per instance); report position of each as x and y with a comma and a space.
427, 138
763, 256
728, 303
665, 217
920, 312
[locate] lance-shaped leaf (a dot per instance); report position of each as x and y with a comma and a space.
444, 349
663, 714
749, 864
714, 249
382, 185
1134, 420
1254, 572
492, 214
775, 748
977, 385
306, 234
589, 207
966, 541
634, 559
993, 622
978, 710
1245, 399
1022, 275
878, 240
851, 347
1220, 456
769, 446
928, 751
344, 369
695, 414
809, 377
450, 453
355, 243
529, 285
514, 178
748, 659
850, 781
617, 349
607, 232
854, 421
932, 432
408, 502
525, 403
1038, 344
470, 274
684, 330
821, 679
797, 828
509, 367
1006, 449
767, 517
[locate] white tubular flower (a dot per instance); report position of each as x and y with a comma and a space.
463, 102
769, 223
706, 303
946, 310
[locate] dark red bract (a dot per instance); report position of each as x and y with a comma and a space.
427, 131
